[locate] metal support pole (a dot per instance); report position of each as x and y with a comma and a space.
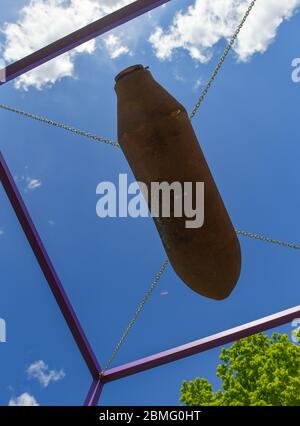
47, 267
79, 37
19, 68
202, 345
94, 393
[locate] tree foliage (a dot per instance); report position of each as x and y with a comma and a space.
257, 370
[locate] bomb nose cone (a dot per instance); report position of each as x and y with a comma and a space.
128, 70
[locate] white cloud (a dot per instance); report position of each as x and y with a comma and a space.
179, 77
44, 21
40, 371
197, 84
206, 22
1, 232
28, 183
114, 46
23, 400
33, 184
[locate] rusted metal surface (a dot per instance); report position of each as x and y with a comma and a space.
157, 138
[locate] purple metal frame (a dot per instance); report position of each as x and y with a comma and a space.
28, 63
81, 36
202, 345
47, 267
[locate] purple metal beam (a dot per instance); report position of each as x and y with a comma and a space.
94, 393
26, 64
47, 268
79, 37
202, 345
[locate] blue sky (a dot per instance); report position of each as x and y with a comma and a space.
248, 128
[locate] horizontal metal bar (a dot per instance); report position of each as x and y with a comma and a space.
79, 37
47, 267
202, 345
94, 393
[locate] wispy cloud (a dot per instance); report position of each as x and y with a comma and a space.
198, 29
197, 84
164, 293
28, 183
179, 77
33, 184
39, 370
24, 400
1, 232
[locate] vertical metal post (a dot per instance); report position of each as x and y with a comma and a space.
94, 393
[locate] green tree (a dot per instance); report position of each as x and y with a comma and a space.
257, 370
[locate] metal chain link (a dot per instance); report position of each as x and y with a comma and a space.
115, 144
221, 61
267, 239
193, 113
61, 126
156, 281
135, 316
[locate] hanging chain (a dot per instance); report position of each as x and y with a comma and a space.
222, 60
116, 145
135, 316
200, 100
156, 281
61, 126
267, 239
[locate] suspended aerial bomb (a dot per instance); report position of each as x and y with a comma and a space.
157, 138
